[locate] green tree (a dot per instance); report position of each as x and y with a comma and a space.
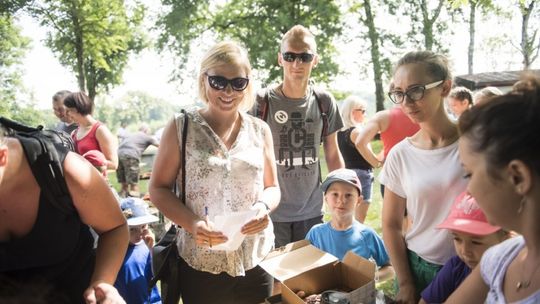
381, 64
9, 7
258, 24
426, 26
94, 38
13, 46
136, 107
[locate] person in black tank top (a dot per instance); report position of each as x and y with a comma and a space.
353, 113
46, 252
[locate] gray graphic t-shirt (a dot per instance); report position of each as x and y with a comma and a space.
296, 126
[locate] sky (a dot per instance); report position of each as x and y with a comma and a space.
150, 72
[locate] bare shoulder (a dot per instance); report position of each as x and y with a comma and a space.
78, 172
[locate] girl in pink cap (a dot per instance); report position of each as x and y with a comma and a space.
473, 235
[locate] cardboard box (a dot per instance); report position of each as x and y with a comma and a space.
302, 266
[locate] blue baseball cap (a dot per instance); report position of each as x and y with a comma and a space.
137, 212
342, 175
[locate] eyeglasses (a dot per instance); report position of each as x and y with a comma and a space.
221, 83
415, 93
304, 57
360, 110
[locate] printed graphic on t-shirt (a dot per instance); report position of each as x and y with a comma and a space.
296, 147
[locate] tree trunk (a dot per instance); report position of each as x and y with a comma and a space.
472, 31
79, 46
429, 22
375, 56
526, 49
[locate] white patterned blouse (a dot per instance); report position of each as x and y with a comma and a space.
225, 181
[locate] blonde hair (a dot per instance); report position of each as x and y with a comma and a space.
299, 37
349, 104
226, 53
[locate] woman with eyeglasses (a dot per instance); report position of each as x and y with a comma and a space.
230, 168
353, 114
422, 174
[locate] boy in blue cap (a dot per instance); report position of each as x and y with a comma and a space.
343, 192
136, 272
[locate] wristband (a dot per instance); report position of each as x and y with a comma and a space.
262, 202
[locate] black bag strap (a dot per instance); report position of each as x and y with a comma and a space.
46, 162
184, 139
323, 102
262, 105
173, 230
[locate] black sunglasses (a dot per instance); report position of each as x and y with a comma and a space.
221, 83
291, 57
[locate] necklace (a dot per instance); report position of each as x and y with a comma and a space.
524, 284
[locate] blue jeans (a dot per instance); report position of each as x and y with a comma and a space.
366, 178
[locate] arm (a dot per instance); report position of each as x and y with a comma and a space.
97, 207
363, 137
271, 194
333, 157
108, 145
166, 166
392, 220
472, 290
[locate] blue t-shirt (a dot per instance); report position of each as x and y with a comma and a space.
135, 274
361, 239
447, 281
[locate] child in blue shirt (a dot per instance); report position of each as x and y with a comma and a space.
343, 192
136, 272
473, 235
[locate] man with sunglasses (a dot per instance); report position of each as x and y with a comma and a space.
294, 111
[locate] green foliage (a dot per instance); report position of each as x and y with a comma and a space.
8, 7
12, 49
258, 24
135, 108
93, 38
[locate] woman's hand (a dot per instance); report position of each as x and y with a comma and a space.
259, 223
206, 236
102, 293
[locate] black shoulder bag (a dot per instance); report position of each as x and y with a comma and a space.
165, 258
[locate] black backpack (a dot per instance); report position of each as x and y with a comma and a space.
45, 151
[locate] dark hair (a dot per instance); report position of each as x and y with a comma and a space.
60, 95
80, 102
437, 65
506, 128
462, 93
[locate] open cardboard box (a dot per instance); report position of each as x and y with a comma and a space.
302, 266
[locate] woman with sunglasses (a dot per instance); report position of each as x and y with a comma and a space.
230, 168
422, 174
353, 113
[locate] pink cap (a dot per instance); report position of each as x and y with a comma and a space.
95, 157
466, 216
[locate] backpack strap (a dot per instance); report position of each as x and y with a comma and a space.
262, 104
46, 162
323, 102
